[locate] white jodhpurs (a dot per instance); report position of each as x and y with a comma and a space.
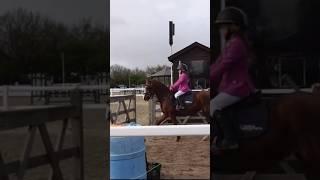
179, 93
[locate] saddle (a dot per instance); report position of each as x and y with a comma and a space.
186, 99
249, 116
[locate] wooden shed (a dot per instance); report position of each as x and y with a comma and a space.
163, 76
197, 57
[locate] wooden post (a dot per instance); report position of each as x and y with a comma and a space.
152, 111
135, 106
26, 153
53, 158
118, 110
77, 135
108, 115
123, 102
60, 142
5, 97
3, 170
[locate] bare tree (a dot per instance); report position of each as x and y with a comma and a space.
32, 43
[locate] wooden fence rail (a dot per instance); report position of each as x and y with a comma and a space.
126, 91
121, 100
36, 119
51, 94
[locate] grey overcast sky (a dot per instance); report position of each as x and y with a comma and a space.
139, 29
67, 11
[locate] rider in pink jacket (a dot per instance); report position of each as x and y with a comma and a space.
230, 72
229, 75
181, 86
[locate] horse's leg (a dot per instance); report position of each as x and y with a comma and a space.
174, 121
162, 119
205, 138
207, 116
309, 151
206, 113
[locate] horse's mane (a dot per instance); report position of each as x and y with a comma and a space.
159, 86
160, 89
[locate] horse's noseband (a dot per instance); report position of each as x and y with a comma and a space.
148, 94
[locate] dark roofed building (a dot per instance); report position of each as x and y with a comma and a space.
197, 57
163, 76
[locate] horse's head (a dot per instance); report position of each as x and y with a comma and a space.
149, 92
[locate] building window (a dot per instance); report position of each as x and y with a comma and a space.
201, 83
198, 67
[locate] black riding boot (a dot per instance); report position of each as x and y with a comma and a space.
180, 103
230, 133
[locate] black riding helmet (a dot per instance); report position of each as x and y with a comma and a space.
232, 15
182, 66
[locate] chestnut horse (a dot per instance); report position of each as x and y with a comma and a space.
293, 129
156, 88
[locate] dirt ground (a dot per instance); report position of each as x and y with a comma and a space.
187, 159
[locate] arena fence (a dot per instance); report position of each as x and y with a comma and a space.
37, 119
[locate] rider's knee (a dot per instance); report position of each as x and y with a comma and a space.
213, 109
217, 114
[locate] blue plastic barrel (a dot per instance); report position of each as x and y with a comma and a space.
127, 158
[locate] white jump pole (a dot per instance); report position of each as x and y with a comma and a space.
163, 130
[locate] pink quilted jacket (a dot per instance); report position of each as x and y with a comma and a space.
230, 73
182, 84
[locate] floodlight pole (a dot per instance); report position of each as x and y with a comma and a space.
171, 34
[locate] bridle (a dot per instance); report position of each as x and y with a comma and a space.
148, 92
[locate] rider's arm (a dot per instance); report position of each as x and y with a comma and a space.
181, 79
232, 53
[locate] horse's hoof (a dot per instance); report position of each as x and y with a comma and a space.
205, 138
163, 122
178, 139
